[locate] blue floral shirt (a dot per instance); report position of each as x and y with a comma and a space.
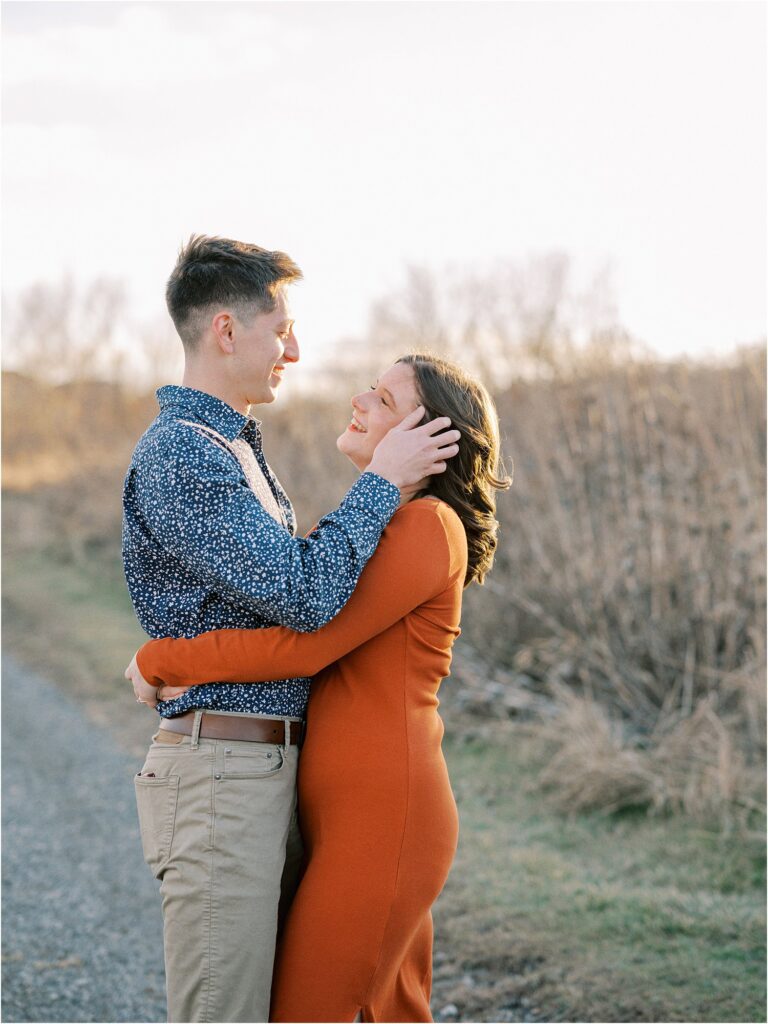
202, 550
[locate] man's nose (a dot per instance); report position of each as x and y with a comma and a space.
291, 351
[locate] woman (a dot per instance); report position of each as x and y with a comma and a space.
377, 813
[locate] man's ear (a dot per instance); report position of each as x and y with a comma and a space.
223, 325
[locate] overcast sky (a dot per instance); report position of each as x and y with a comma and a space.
361, 137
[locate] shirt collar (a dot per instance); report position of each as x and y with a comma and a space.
206, 408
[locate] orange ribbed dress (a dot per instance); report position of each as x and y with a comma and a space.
377, 813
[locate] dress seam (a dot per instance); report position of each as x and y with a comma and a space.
405, 817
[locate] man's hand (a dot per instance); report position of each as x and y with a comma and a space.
145, 693
409, 453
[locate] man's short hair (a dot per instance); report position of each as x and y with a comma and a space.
219, 273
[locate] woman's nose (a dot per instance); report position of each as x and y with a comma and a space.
356, 403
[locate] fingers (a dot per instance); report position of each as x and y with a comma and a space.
435, 426
444, 436
411, 419
445, 452
448, 451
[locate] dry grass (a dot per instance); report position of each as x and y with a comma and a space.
629, 590
695, 766
632, 567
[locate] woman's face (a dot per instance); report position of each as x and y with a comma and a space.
376, 411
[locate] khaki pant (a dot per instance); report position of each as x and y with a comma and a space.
216, 817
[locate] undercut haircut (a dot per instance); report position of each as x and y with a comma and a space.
213, 274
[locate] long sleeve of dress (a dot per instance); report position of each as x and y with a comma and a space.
421, 554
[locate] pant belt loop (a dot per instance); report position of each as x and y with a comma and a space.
287, 736
196, 729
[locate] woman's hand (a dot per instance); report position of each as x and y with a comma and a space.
145, 693
169, 692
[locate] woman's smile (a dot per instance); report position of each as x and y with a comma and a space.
356, 425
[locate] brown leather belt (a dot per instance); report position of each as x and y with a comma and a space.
235, 727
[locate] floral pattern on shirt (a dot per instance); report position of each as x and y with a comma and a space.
200, 551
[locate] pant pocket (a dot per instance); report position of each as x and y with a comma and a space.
257, 762
156, 800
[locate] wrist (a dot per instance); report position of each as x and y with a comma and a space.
390, 475
145, 669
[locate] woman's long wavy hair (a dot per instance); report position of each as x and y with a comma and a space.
472, 477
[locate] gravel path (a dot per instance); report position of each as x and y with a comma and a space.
82, 928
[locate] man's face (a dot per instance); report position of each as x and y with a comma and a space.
262, 349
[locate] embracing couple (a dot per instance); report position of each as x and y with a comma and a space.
316, 910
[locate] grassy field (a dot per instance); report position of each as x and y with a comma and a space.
594, 918
544, 917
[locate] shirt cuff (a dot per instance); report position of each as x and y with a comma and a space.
374, 494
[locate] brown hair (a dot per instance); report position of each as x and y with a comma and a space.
212, 271
472, 477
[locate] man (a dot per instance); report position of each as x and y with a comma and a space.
208, 543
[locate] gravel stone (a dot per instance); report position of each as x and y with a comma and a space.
449, 1012
82, 926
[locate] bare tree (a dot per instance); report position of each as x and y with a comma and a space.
56, 333
159, 356
510, 321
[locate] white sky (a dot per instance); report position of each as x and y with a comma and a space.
360, 137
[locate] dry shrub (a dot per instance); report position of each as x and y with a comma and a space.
66, 448
592, 767
701, 768
693, 764
631, 570
636, 523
